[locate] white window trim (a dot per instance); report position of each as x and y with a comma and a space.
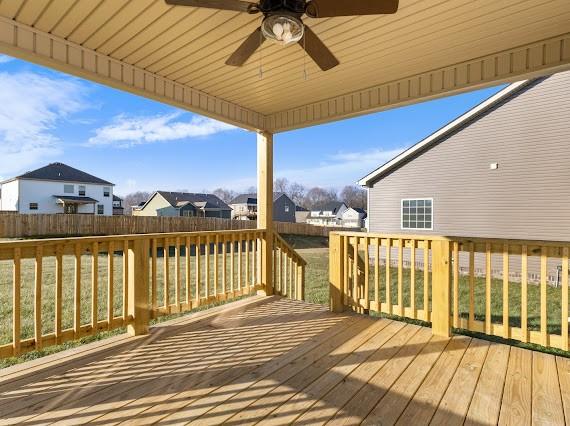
402, 214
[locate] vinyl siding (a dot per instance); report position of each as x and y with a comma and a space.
527, 197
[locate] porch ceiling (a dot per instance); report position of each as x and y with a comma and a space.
177, 54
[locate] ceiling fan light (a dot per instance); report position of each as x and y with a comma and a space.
282, 29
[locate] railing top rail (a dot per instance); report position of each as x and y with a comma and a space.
130, 237
509, 241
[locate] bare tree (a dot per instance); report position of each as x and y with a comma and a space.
134, 199
354, 196
317, 197
226, 195
281, 185
297, 193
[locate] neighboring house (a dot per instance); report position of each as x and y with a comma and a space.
353, 217
329, 214
57, 188
118, 208
244, 207
500, 170
163, 203
301, 214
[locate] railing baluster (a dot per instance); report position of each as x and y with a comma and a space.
224, 264
216, 242
488, 279
401, 276
388, 276
94, 286
524, 293
178, 276
247, 264
187, 281
506, 326
355, 275
427, 315
207, 268
456, 284
110, 286
232, 262
367, 273
377, 274
564, 289
239, 261
543, 288
77, 293
166, 274
198, 295
58, 292
413, 279
16, 302
346, 268
125, 281
471, 285
38, 298
291, 277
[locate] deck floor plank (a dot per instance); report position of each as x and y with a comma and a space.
275, 361
516, 408
546, 399
453, 407
486, 402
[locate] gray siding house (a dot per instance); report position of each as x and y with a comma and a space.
244, 207
501, 170
164, 203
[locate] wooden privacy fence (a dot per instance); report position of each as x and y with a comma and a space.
62, 225
58, 290
419, 277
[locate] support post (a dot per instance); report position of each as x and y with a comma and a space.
138, 287
441, 288
265, 206
336, 272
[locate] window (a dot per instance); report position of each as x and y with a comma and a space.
286, 208
82, 190
417, 214
68, 189
100, 209
106, 191
33, 206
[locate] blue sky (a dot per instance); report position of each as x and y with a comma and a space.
139, 144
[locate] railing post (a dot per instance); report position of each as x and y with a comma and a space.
265, 206
336, 272
441, 288
138, 306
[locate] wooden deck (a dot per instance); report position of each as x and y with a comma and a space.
278, 361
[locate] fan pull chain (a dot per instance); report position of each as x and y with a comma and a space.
260, 56
305, 73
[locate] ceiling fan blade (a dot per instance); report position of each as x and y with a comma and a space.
236, 5
330, 8
317, 50
247, 48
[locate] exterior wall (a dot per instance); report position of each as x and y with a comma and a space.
352, 218
527, 197
224, 214
242, 210
167, 211
9, 194
42, 192
301, 217
151, 208
284, 210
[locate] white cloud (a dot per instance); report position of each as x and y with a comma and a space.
126, 131
31, 105
341, 168
5, 59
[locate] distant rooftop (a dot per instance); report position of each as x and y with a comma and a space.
62, 172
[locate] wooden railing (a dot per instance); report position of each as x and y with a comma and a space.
47, 286
513, 289
288, 270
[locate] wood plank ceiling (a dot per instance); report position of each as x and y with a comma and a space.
189, 46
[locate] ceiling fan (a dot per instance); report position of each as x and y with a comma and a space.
282, 22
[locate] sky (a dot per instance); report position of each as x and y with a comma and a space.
140, 144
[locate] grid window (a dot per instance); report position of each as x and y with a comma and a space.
33, 206
417, 214
106, 191
68, 189
100, 209
82, 190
